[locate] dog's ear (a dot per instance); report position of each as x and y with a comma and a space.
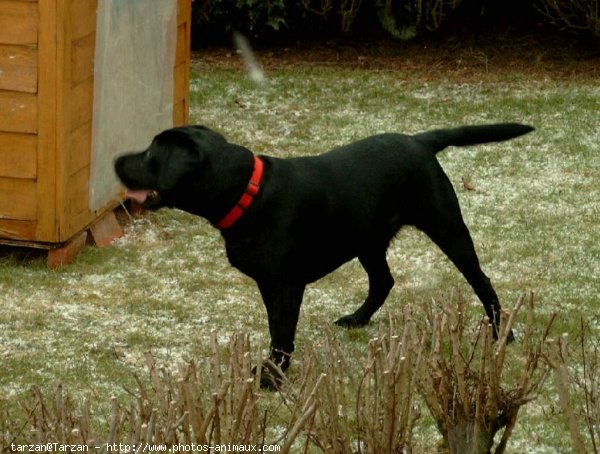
178, 153
181, 162
200, 132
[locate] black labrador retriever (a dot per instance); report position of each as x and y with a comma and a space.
289, 222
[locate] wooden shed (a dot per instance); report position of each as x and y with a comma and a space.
48, 106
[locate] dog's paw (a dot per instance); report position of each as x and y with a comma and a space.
271, 376
351, 321
511, 337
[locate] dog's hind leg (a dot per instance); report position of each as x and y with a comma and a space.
380, 283
452, 236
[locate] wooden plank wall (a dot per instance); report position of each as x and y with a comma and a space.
18, 118
50, 107
80, 45
181, 95
46, 109
79, 82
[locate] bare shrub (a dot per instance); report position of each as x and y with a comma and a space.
579, 15
366, 407
333, 406
582, 381
193, 408
462, 379
333, 402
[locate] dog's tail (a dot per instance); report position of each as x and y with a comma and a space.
439, 139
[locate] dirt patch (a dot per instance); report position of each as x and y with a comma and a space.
466, 58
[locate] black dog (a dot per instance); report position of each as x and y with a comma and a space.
289, 222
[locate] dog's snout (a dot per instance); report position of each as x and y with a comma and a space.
127, 169
119, 165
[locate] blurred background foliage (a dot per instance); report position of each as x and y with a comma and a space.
290, 21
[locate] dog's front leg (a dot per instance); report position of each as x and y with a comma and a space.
282, 301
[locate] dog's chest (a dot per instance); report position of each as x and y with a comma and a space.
249, 255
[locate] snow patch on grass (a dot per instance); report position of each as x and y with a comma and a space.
166, 285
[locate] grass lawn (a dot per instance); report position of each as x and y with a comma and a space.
165, 286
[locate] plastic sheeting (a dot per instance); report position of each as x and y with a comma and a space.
133, 86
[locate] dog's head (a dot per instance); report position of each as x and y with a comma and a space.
168, 169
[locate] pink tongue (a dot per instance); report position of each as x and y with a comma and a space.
139, 195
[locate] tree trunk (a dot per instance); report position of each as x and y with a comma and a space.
461, 439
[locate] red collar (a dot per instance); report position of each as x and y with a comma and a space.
247, 198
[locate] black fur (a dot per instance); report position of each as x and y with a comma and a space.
315, 213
